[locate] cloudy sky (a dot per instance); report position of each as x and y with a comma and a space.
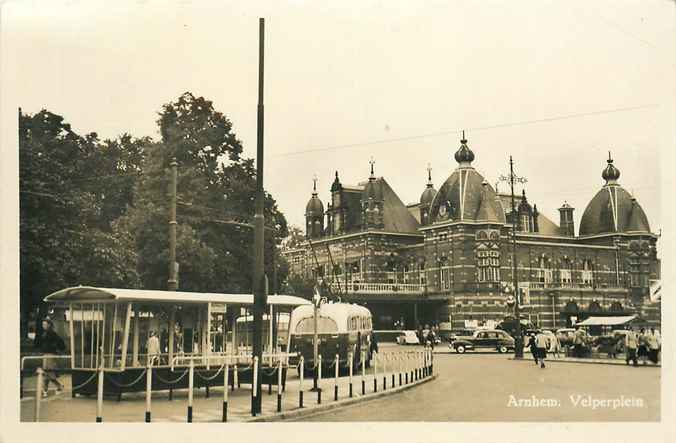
556, 84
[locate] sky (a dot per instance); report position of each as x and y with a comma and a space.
555, 84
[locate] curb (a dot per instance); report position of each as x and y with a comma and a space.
307, 411
588, 362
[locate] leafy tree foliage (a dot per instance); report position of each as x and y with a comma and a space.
72, 189
96, 212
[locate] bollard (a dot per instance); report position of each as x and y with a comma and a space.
191, 380
405, 363
301, 365
384, 372
363, 373
149, 390
235, 377
335, 383
38, 393
392, 369
279, 386
375, 372
401, 366
351, 360
319, 379
431, 362
254, 385
99, 397
225, 392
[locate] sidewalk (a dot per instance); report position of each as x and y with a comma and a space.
63, 408
602, 361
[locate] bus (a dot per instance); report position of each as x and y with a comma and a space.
342, 328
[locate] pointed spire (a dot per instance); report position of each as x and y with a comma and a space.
336, 186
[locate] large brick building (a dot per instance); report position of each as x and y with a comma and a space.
448, 258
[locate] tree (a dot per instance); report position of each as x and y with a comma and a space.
216, 186
72, 189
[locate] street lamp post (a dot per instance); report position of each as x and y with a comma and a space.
260, 297
172, 283
518, 340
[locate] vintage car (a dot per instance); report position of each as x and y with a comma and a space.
484, 339
407, 338
456, 333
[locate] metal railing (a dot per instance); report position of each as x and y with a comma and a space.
379, 288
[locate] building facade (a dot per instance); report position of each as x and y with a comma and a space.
447, 259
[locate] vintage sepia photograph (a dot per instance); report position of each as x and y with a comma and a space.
431, 214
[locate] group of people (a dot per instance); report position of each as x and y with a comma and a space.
427, 336
643, 346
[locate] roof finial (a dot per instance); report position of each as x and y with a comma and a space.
610, 158
372, 162
429, 172
314, 184
464, 140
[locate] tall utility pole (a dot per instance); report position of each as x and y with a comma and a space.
260, 297
172, 283
518, 340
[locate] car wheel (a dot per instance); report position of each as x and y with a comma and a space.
460, 349
502, 349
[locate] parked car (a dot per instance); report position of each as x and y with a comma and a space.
484, 339
455, 333
407, 338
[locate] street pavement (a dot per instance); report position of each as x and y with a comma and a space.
494, 387
63, 408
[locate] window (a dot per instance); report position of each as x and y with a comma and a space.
565, 273
544, 272
587, 273
525, 223
488, 263
446, 277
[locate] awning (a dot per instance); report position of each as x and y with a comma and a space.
606, 321
87, 294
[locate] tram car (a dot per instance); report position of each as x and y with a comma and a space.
342, 328
123, 331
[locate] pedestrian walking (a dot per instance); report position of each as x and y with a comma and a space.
630, 346
49, 344
430, 338
643, 347
578, 342
533, 347
153, 347
555, 345
653, 346
542, 342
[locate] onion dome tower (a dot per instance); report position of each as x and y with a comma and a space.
426, 199
613, 209
464, 196
314, 214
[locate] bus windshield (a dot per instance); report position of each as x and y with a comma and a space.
324, 326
